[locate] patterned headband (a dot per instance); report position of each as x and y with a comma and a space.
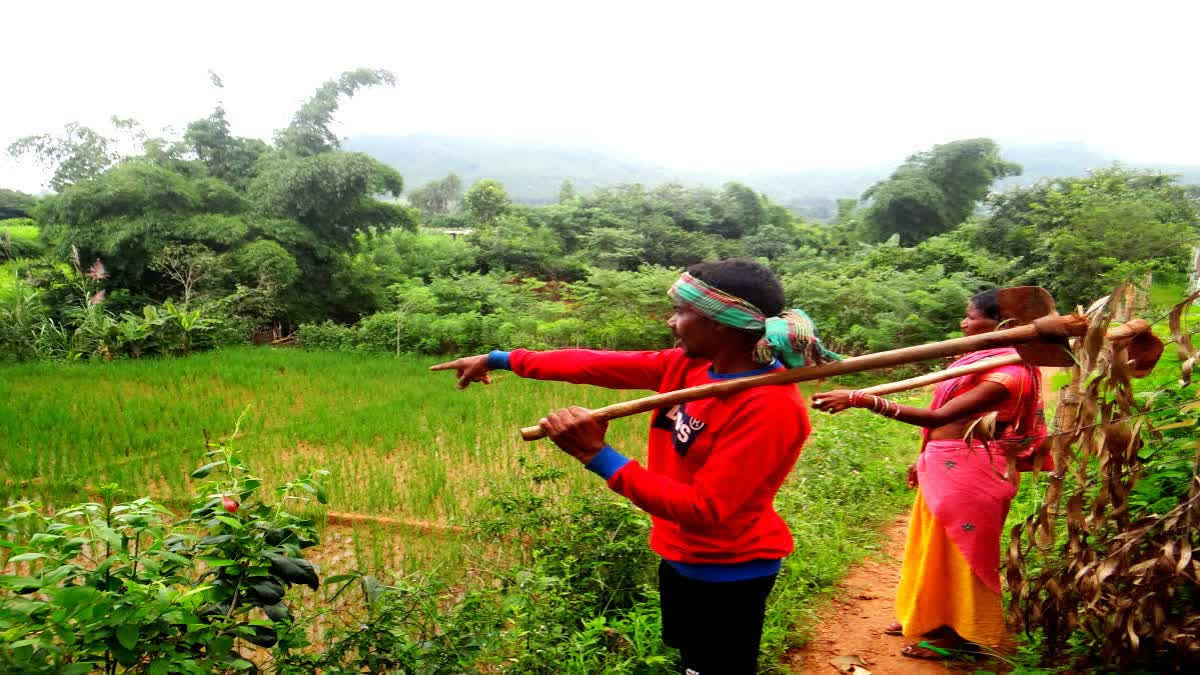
791, 336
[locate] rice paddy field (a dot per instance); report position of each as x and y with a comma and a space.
411, 458
398, 440
21, 232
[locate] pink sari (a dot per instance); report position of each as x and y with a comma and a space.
964, 486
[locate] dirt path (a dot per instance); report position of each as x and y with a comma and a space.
852, 624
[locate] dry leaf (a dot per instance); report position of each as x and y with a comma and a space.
848, 663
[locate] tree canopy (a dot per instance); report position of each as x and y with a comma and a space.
934, 191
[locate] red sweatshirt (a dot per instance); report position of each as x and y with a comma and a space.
714, 464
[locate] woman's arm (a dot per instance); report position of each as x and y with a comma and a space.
984, 397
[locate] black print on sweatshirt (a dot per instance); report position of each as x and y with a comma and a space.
683, 427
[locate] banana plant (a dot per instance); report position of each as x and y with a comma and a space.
190, 325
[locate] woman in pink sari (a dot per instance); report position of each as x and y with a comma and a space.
949, 591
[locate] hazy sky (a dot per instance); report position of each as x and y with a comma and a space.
737, 85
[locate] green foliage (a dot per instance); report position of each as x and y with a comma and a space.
22, 317
132, 188
265, 263
934, 191
583, 600
475, 312
228, 158
19, 238
614, 248
189, 265
15, 204
743, 210
876, 309
109, 584
1078, 235
401, 254
486, 201
79, 154
438, 196
331, 193
328, 336
566, 191
508, 242
85, 328
299, 234
404, 627
310, 131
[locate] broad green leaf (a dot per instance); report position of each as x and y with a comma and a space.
73, 596
21, 584
25, 557
127, 635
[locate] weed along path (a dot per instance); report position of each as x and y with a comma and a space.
852, 624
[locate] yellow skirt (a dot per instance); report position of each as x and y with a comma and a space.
937, 587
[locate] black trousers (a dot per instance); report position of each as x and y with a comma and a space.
716, 626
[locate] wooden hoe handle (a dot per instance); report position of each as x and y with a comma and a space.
1043, 329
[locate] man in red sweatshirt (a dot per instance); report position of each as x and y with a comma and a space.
714, 465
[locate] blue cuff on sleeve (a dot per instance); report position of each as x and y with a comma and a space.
607, 463
498, 360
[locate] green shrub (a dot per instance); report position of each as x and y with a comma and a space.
108, 584
329, 336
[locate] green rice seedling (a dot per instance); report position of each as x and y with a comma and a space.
398, 439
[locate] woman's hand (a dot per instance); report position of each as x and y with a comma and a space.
576, 431
913, 482
470, 369
832, 401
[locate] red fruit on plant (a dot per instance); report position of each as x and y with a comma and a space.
229, 503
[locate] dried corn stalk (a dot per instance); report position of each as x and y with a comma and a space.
1127, 581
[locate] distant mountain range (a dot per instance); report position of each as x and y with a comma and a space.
533, 174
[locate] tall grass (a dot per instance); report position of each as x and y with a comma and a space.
21, 232
399, 440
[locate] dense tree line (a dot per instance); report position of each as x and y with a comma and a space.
299, 232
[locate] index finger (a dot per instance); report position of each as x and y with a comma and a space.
449, 365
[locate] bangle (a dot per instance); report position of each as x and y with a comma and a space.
855, 398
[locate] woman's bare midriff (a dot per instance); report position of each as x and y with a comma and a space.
954, 430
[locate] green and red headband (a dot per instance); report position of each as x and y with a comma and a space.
791, 336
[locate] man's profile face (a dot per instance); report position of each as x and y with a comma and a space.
693, 331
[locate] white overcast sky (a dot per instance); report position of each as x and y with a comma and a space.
737, 85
